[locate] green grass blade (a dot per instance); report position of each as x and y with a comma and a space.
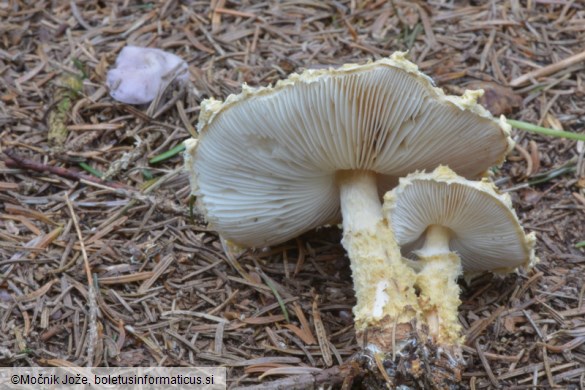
192, 199
547, 176
168, 154
545, 131
272, 287
91, 170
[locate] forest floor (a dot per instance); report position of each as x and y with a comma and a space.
167, 294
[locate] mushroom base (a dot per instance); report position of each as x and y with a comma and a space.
387, 336
420, 364
390, 318
383, 283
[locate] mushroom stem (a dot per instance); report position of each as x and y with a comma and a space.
360, 205
383, 283
437, 281
436, 241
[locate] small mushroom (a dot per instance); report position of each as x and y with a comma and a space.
141, 72
452, 225
272, 163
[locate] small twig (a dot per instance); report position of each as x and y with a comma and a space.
486, 364
91, 296
526, 157
331, 376
381, 368
534, 326
547, 369
427, 25
577, 341
535, 156
78, 17
550, 69
321, 334
14, 160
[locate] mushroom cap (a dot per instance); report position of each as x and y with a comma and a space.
264, 166
485, 231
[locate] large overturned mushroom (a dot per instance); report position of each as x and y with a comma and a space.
272, 163
449, 225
